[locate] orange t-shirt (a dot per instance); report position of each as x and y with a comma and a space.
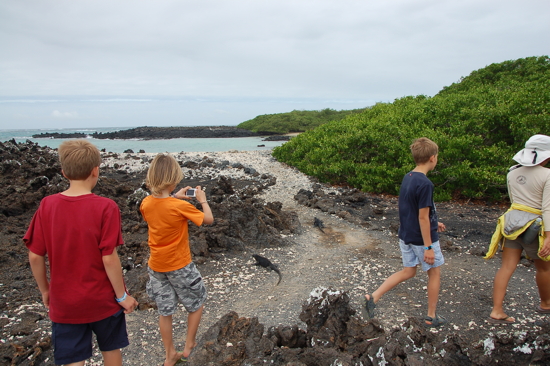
167, 219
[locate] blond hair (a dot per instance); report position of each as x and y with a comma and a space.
78, 158
423, 149
163, 173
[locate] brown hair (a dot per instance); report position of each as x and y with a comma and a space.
78, 158
163, 173
423, 149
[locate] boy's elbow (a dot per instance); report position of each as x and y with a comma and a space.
35, 258
111, 259
208, 220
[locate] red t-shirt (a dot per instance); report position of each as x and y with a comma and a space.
167, 219
75, 233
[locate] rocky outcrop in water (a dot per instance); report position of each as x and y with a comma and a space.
158, 133
59, 135
165, 133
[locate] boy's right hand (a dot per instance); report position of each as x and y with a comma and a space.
429, 256
129, 304
200, 194
46, 299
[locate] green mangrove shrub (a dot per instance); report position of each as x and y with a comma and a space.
479, 123
295, 121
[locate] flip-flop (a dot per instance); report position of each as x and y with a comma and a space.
541, 310
183, 360
436, 322
501, 321
368, 307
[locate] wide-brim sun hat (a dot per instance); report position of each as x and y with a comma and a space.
537, 150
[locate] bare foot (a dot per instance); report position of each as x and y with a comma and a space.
171, 361
188, 348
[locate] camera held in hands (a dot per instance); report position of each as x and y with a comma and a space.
190, 192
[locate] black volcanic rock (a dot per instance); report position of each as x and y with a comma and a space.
165, 133
58, 135
159, 133
336, 336
29, 172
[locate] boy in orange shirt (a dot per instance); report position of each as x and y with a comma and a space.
172, 274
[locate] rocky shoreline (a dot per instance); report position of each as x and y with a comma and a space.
265, 207
164, 133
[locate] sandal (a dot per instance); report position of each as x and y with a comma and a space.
368, 307
505, 320
435, 322
183, 360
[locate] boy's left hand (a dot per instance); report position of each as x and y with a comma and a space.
429, 256
545, 250
441, 227
129, 304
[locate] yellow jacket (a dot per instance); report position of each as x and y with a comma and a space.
500, 236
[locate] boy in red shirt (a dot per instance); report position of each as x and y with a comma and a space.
79, 232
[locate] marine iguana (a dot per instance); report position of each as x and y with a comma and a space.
266, 263
318, 223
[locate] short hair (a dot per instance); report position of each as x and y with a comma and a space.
423, 149
163, 173
78, 158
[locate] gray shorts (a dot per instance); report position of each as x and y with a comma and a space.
413, 255
185, 285
531, 250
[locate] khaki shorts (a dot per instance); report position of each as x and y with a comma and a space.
531, 250
185, 285
413, 255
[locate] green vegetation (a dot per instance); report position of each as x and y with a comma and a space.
479, 124
295, 121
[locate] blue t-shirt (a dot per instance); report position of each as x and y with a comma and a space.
416, 192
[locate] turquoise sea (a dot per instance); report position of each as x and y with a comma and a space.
149, 146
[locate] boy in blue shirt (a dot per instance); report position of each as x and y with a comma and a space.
418, 232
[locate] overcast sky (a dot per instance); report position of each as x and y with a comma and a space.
212, 62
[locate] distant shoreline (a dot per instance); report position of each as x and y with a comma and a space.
165, 133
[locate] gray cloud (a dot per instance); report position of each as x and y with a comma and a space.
360, 51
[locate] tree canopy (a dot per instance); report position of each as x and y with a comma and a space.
295, 121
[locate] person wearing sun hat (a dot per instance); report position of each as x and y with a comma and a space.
529, 191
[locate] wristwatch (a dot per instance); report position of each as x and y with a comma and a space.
428, 248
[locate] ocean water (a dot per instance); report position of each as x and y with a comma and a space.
149, 146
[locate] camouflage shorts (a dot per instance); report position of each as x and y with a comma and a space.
185, 285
